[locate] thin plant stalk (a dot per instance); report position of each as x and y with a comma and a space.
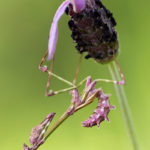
124, 107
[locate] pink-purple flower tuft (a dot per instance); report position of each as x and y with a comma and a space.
101, 112
37, 133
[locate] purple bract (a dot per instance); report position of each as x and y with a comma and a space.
78, 5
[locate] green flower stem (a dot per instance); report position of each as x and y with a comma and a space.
124, 107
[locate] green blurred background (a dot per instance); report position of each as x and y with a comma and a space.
24, 31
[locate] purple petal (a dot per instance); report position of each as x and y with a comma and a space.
78, 5
54, 29
90, 87
88, 82
76, 100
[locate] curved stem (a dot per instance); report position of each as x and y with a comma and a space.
124, 107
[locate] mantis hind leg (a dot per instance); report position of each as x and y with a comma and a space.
122, 82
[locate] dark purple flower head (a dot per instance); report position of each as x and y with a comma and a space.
92, 27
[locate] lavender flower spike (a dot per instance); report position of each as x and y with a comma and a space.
78, 5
